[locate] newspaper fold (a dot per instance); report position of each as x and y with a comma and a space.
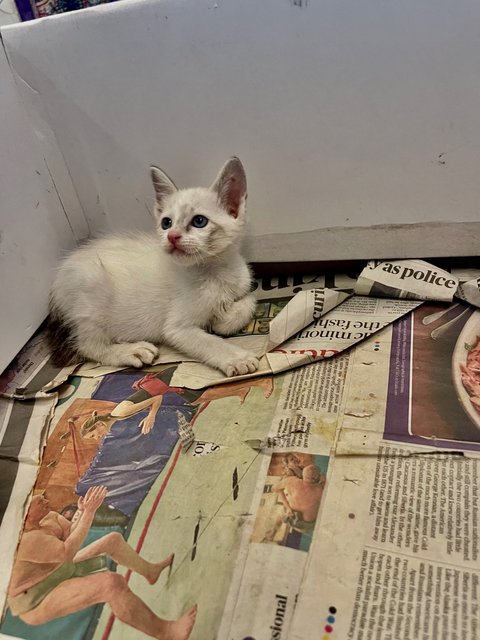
302, 310
270, 442
410, 279
469, 292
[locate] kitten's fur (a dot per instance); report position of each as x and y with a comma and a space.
118, 296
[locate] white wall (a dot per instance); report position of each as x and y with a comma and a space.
8, 13
346, 113
34, 228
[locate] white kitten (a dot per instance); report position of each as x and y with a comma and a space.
116, 297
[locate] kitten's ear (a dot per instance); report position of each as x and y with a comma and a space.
162, 184
231, 187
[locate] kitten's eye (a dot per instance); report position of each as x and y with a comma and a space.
166, 223
199, 221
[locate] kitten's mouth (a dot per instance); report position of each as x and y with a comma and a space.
177, 251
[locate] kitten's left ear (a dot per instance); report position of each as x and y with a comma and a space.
231, 187
162, 184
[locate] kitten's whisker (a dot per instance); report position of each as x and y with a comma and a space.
199, 258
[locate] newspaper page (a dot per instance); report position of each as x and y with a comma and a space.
335, 499
25, 390
121, 433
397, 547
162, 522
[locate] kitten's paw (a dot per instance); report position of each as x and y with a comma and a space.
130, 354
240, 366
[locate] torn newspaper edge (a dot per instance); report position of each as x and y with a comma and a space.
96, 370
410, 279
270, 442
185, 432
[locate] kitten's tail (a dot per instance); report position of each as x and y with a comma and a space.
60, 340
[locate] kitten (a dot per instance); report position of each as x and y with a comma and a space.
117, 297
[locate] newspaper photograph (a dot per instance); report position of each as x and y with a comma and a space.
419, 409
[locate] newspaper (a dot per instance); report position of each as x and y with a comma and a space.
470, 291
412, 279
399, 554
393, 550
26, 407
417, 279
334, 499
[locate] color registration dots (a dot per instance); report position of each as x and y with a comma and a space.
376, 345
328, 628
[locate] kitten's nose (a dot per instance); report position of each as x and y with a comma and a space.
174, 236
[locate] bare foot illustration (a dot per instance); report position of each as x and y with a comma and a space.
181, 629
158, 567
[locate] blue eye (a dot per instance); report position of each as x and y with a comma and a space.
166, 223
199, 221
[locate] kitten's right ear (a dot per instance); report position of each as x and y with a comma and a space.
162, 184
231, 187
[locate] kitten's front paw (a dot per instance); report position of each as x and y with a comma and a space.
247, 363
130, 354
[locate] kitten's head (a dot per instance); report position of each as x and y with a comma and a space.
195, 225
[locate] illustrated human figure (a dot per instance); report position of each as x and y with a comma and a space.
52, 577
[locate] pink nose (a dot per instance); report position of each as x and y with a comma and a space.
174, 237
